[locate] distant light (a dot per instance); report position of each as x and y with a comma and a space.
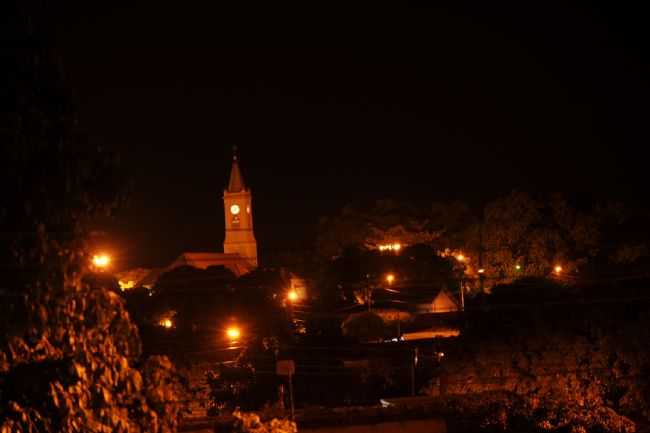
518, 267
481, 271
233, 332
101, 261
126, 284
558, 269
292, 296
461, 258
390, 247
166, 323
390, 278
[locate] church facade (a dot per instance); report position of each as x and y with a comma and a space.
239, 247
238, 208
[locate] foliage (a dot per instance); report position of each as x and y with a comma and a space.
583, 368
251, 423
385, 221
71, 368
536, 236
365, 326
529, 290
68, 348
196, 295
239, 385
504, 411
230, 387
522, 236
199, 296
517, 236
358, 270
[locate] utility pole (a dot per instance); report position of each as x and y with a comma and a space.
462, 296
480, 256
287, 368
293, 410
368, 292
399, 326
413, 365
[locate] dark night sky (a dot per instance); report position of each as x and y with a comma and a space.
335, 106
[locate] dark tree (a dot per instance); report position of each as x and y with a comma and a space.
68, 349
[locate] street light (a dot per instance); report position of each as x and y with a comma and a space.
166, 323
390, 278
101, 261
233, 333
461, 258
558, 269
292, 296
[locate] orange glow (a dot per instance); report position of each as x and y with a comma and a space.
461, 258
101, 260
390, 247
126, 285
481, 271
233, 332
292, 296
390, 278
558, 269
166, 323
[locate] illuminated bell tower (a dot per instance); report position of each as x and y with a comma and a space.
237, 201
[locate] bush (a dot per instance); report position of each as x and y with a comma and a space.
251, 423
503, 411
71, 367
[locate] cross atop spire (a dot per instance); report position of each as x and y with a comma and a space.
236, 183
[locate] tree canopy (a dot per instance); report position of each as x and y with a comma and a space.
514, 236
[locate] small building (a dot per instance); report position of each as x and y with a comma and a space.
443, 302
418, 299
414, 312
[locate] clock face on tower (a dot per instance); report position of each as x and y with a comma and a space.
234, 209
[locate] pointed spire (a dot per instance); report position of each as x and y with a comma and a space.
236, 183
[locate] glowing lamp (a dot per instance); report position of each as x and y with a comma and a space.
481, 271
518, 267
101, 261
461, 258
390, 278
292, 296
390, 247
233, 332
558, 269
166, 323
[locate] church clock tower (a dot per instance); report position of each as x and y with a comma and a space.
237, 201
